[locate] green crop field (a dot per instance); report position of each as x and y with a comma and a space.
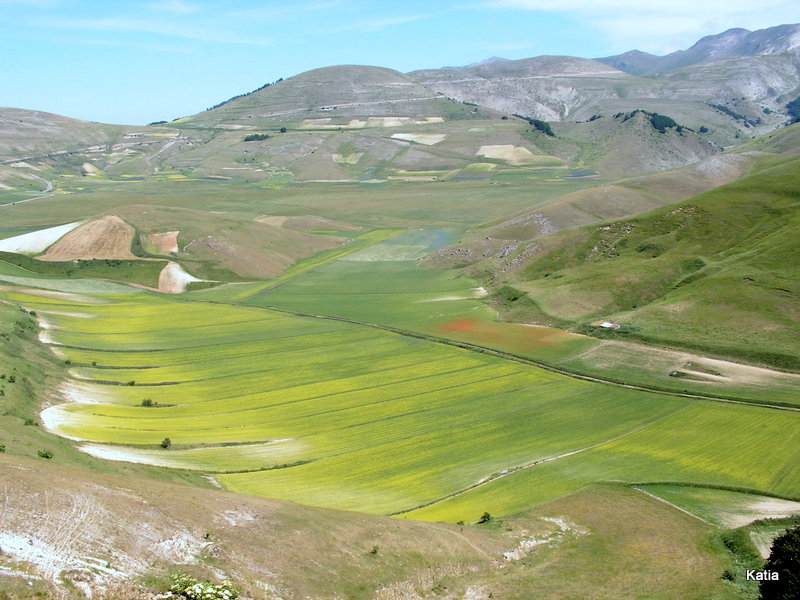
735, 446
348, 416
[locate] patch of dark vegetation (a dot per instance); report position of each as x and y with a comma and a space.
784, 560
793, 108
201, 285
256, 137
297, 463
736, 116
158, 123
232, 98
659, 122
742, 556
538, 124
607, 332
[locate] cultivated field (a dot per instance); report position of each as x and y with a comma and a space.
348, 416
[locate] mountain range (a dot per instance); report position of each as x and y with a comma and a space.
500, 329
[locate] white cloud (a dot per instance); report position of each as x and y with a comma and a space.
177, 29
660, 26
175, 7
378, 24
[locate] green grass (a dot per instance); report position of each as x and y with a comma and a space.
723, 508
365, 408
385, 285
711, 274
702, 443
345, 416
145, 272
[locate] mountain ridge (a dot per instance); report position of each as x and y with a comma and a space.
730, 43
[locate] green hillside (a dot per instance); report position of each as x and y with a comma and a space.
715, 272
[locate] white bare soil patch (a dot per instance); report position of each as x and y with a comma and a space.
36, 241
561, 529
174, 280
64, 313
200, 459
762, 508
55, 418
274, 221
507, 152
427, 139
89, 170
24, 165
478, 292
328, 123
70, 536
388, 252
347, 159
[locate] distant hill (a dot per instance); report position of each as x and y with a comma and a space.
344, 91
713, 272
735, 84
730, 43
28, 133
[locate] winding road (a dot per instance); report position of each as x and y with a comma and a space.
48, 187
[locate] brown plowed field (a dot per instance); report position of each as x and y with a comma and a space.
107, 237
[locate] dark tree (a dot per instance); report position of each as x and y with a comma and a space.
256, 137
661, 122
166, 443
784, 559
793, 108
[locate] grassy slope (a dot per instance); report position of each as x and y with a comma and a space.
624, 545
711, 273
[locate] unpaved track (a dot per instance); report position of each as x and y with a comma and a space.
510, 471
48, 187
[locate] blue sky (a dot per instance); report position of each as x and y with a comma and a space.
126, 61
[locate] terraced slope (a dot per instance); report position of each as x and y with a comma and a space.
340, 415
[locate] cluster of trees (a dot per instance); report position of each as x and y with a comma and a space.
659, 122
734, 115
266, 85
257, 137
784, 559
542, 126
793, 108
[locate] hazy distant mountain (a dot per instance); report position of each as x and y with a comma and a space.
730, 43
733, 85
486, 61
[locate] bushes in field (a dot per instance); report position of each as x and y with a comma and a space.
184, 586
256, 137
793, 108
784, 559
539, 125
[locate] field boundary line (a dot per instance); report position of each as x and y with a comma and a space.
675, 506
512, 357
510, 471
